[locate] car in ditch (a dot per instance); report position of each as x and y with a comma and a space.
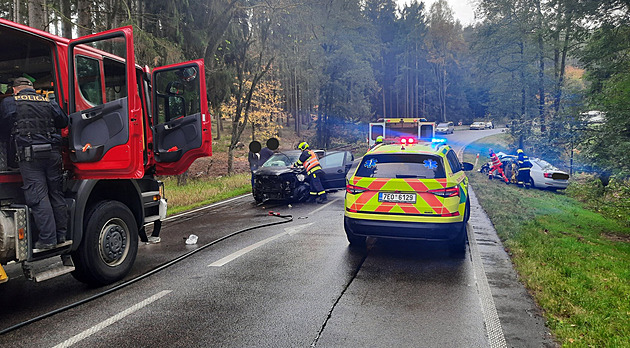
278, 180
542, 174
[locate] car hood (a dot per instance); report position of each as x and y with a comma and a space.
273, 170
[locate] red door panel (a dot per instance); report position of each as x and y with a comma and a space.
105, 130
182, 131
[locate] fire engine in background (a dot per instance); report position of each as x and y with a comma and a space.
127, 124
393, 129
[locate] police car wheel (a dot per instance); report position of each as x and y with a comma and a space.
457, 247
354, 240
109, 245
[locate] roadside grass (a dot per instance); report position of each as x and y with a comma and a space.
203, 191
563, 251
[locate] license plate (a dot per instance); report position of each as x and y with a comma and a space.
397, 197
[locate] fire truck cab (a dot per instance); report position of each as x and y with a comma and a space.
126, 125
393, 129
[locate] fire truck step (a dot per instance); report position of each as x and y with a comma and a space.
3, 275
62, 245
66, 266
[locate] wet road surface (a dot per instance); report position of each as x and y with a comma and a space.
291, 285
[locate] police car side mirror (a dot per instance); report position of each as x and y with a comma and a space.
467, 166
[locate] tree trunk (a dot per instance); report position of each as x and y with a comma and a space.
85, 18
16, 11
217, 112
541, 69
66, 21
37, 14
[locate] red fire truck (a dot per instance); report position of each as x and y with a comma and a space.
127, 125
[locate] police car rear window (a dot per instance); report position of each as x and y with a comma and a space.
401, 166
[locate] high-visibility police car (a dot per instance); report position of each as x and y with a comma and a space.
409, 190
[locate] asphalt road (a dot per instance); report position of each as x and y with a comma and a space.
291, 285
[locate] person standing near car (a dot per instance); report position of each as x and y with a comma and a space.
524, 167
496, 165
268, 151
309, 160
257, 156
35, 122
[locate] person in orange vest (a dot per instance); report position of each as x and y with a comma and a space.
496, 165
309, 160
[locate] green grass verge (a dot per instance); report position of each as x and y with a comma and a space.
200, 192
574, 260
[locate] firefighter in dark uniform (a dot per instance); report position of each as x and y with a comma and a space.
524, 167
309, 160
35, 121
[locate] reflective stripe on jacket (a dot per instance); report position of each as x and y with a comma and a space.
311, 163
496, 162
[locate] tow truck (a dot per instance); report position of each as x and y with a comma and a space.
127, 125
394, 129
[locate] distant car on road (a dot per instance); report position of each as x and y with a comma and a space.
478, 125
489, 125
445, 128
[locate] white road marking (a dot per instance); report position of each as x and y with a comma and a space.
244, 251
87, 333
494, 331
297, 229
324, 206
233, 256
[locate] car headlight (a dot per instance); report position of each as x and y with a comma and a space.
300, 177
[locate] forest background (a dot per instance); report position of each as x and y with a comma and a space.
556, 71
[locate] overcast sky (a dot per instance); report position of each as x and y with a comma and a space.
462, 9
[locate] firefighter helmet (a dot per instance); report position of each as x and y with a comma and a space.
379, 139
303, 146
519, 151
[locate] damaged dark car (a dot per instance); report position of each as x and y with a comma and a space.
277, 180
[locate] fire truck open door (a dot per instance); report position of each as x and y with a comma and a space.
105, 130
376, 130
181, 132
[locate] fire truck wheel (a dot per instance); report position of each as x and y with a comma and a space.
109, 245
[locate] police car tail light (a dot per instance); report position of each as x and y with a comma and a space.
446, 192
352, 189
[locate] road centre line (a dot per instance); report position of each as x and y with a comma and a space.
324, 206
235, 255
94, 329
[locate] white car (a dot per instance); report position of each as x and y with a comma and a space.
542, 174
478, 125
445, 127
489, 125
